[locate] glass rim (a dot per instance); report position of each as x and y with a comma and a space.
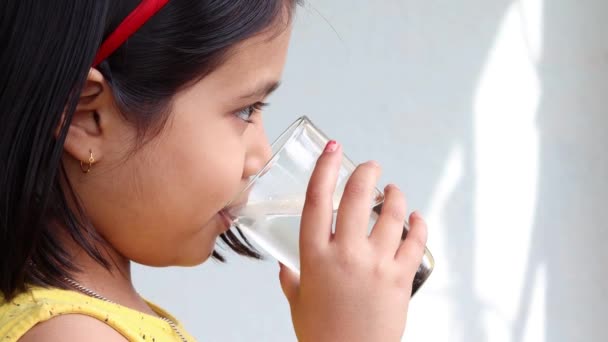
286, 136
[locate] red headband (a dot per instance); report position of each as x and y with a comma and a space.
140, 15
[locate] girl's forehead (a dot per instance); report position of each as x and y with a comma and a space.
254, 66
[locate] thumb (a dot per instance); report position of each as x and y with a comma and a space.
290, 282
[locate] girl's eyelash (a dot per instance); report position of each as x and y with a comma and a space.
246, 113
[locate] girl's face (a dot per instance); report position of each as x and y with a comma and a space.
159, 206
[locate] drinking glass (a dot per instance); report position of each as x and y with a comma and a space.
268, 210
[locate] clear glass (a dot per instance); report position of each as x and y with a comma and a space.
269, 208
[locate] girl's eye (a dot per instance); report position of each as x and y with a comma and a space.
246, 113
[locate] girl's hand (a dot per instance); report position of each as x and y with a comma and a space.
352, 287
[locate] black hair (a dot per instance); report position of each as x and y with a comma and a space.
47, 50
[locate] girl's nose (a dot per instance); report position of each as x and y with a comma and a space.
259, 153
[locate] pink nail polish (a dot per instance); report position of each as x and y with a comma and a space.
332, 146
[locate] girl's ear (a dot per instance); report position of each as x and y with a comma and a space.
95, 115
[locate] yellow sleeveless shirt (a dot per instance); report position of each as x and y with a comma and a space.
40, 304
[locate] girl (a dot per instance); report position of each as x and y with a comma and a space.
126, 127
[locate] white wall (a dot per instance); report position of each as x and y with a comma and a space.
490, 114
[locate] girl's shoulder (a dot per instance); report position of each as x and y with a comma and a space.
72, 328
38, 305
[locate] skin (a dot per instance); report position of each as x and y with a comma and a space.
159, 206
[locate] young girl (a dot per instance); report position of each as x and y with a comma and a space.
126, 126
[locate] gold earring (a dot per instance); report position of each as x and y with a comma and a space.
89, 164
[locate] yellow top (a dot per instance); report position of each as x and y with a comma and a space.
39, 304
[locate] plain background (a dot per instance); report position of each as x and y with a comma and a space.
490, 115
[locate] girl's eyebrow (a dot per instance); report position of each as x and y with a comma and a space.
262, 90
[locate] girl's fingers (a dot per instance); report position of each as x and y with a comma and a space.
388, 229
411, 251
355, 206
317, 215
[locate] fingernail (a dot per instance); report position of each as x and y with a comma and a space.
373, 163
331, 146
416, 214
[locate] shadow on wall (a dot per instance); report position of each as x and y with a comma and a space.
568, 236
513, 99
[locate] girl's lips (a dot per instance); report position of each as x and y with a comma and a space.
227, 221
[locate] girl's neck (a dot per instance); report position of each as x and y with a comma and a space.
115, 284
